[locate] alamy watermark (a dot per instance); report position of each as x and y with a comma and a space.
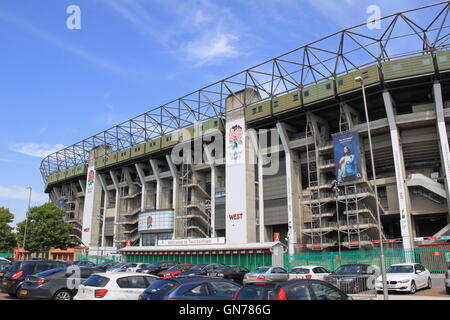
73, 22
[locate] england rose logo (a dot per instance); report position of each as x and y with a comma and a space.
91, 178
235, 136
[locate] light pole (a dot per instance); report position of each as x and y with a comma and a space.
377, 205
26, 220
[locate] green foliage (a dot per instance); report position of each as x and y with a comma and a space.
46, 229
7, 237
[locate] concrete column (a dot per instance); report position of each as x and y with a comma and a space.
105, 205
293, 178
157, 174
82, 185
116, 213
213, 188
402, 189
141, 175
443, 139
175, 193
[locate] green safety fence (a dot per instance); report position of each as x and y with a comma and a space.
100, 259
436, 259
248, 260
6, 254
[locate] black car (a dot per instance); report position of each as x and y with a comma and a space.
55, 284
235, 273
106, 265
353, 278
202, 269
190, 288
14, 278
304, 289
157, 267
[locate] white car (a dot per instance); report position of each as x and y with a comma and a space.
133, 267
114, 286
308, 272
406, 277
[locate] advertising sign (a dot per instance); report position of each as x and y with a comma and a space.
88, 206
187, 242
347, 157
156, 220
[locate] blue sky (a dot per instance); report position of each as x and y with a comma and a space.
59, 86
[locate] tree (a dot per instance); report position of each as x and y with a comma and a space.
46, 229
7, 237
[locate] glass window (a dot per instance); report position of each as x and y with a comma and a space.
86, 272
201, 290
43, 266
223, 289
326, 292
299, 292
306, 93
328, 86
295, 97
400, 269
260, 270
161, 287
365, 75
341, 83
257, 292
96, 281
254, 111
136, 282
274, 104
300, 271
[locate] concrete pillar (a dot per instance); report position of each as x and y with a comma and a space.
157, 174
402, 189
116, 213
105, 205
240, 210
443, 139
141, 175
293, 178
175, 194
212, 165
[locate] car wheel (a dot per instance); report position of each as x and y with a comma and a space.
413, 287
429, 284
62, 295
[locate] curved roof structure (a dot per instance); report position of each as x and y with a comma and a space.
412, 32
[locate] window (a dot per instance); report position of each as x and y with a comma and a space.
222, 289
168, 139
443, 59
306, 93
86, 272
260, 109
254, 111
216, 123
96, 281
365, 75
295, 97
136, 282
201, 290
299, 292
274, 104
426, 62
328, 86
341, 83
326, 292
300, 271
43, 266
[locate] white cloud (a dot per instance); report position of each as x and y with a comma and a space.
36, 149
22, 193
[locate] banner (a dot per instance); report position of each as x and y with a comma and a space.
88, 206
156, 220
347, 157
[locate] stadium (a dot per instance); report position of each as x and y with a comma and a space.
307, 152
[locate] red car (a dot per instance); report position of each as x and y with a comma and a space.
175, 270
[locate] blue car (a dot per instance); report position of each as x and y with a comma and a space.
192, 288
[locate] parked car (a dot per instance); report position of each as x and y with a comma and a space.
447, 280
114, 286
121, 267
291, 290
266, 274
133, 267
407, 277
3, 270
157, 267
55, 284
106, 265
14, 278
175, 270
354, 278
235, 273
202, 269
191, 288
84, 263
308, 272
6, 260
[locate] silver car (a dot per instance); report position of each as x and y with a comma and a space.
266, 274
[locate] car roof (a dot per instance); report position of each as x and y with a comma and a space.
117, 275
404, 264
307, 267
183, 280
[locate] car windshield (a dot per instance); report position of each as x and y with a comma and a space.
198, 267
400, 269
47, 273
96, 281
119, 265
349, 269
223, 269
174, 268
257, 292
300, 271
161, 287
16, 267
260, 270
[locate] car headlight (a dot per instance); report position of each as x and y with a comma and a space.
404, 281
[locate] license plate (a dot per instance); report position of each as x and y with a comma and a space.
213, 274
4, 282
23, 292
1, 274
251, 277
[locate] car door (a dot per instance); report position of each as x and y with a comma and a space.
131, 287
325, 291
423, 276
282, 274
199, 292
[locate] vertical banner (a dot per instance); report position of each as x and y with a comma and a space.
235, 202
88, 207
347, 157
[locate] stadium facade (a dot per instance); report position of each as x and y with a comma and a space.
279, 152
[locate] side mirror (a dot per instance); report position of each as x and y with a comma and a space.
349, 298
418, 271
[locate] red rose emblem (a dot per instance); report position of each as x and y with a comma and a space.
236, 133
